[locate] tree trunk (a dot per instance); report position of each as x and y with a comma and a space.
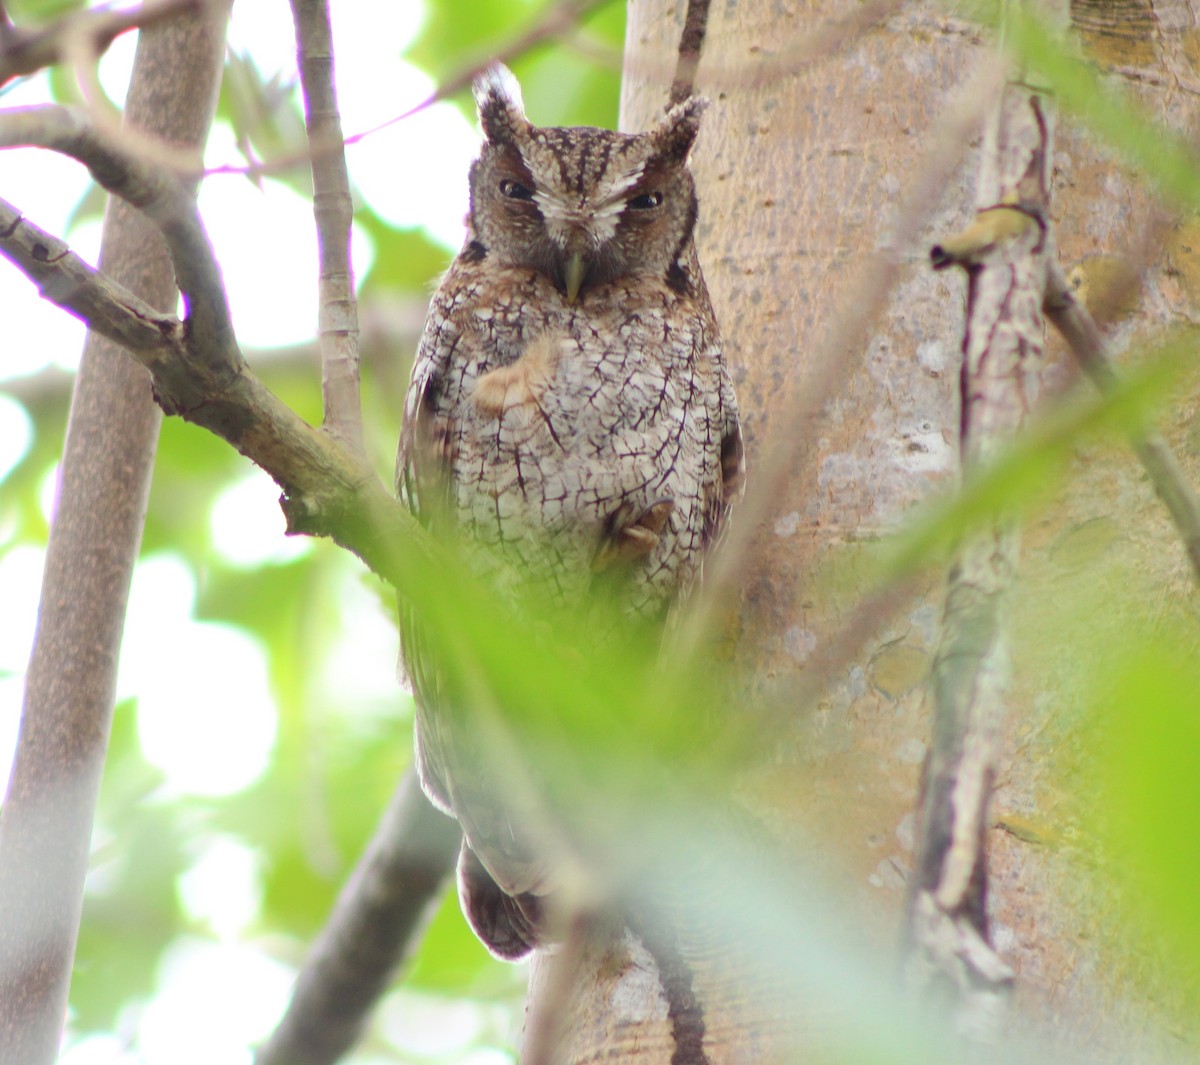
806, 166
46, 827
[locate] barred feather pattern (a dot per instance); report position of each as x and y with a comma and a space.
570, 422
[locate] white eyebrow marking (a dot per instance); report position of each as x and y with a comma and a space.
598, 213
623, 181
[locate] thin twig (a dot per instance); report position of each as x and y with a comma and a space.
65, 279
334, 212
385, 328
691, 42
1087, 344
554, 22
25, 51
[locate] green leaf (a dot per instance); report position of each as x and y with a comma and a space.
1148, 738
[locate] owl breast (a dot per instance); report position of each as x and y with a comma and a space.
579, 441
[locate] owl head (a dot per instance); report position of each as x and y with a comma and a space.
582, 206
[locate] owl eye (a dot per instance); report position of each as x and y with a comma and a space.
647, 201
514, 190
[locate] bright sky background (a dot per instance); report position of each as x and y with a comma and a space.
179, 724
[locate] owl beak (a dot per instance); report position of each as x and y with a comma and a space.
574, 274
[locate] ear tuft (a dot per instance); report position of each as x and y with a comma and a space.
674, 135
501, 109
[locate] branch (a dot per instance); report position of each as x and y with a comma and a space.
691, 42
328, 489
391, 324
1005, 253
47, 817
1087, 344
158, 194
555, 21
94, 298
379, 915
338, 325
24, 51
196, 367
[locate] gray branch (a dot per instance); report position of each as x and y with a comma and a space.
381, 912
94, 298
196, 368
24, 51
1005, 254
334, 211
156, 192
1088, 346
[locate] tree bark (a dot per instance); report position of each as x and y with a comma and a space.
796, 165
46, 824
803, 160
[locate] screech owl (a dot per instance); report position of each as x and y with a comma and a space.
571, 417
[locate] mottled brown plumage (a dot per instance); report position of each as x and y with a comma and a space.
571, 420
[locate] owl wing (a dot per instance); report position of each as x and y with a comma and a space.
424, 470
425, 458
451, 770
728, 490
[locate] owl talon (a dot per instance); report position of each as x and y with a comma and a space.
510, 927
497, 391
637, 539
519, 383
655, 517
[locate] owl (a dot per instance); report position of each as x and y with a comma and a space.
571, 424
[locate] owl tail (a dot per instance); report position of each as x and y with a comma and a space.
509, 926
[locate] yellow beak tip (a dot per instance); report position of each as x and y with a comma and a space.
574, 276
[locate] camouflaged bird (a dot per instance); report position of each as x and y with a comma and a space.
571, 420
